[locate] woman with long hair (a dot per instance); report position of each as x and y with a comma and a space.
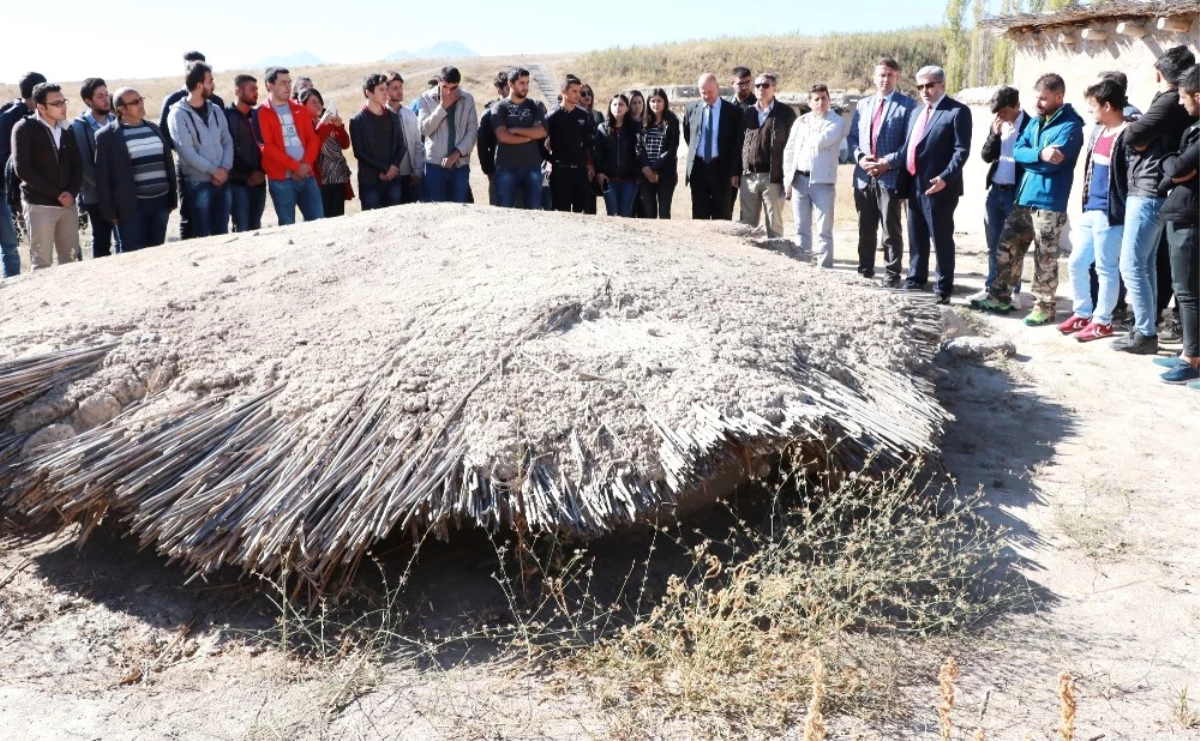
617, 161
332, 171
657, 145
637, 105
637, 111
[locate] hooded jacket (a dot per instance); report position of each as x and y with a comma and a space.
1045, 185
275, 160
617, 153
1118, 177
1156, 133
201, 146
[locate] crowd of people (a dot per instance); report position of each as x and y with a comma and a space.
1136, 233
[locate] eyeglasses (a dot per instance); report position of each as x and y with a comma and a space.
57, 103
135, 101
928, 85
762, 84
585, 95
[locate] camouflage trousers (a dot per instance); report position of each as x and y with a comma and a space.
1023, 227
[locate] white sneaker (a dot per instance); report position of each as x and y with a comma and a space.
977, 296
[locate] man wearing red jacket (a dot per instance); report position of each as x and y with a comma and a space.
290, 146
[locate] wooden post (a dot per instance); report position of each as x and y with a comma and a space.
1127, 28
1067, 38
1093, 34
1173, 25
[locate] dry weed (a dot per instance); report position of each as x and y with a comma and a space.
946, 678
1066, 698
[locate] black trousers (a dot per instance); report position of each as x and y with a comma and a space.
185, 225
710, 191
931, 217
1164, 266
878, 204
333, 199
1184, 241
570, 189
656, 197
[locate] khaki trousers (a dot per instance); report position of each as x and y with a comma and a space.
52, 229
757, 192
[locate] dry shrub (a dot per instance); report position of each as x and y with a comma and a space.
727, 646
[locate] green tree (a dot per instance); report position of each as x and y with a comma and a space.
982, 45
1005, 51
957, 45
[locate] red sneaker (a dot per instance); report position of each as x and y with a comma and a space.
1094, 331
1073, 325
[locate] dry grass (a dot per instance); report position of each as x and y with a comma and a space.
841, 60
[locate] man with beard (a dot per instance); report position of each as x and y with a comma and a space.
94, 93
200, 132
247, 181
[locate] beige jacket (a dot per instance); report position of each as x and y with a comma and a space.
432, 121
814, 141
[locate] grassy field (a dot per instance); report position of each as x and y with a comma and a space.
839, 60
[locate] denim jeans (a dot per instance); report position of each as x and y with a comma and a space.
249, 202
618, 199
380, 194
149, 229
289, 194
443, 184
1095, 241
103, 234
1139, 247
208, 208
810, 199
9, 243
999, 204
527, 180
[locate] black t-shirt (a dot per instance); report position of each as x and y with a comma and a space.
202, 112
513, 116
570, 135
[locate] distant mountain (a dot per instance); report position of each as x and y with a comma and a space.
440, 50
298, 59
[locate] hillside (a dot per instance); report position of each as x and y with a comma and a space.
839, 60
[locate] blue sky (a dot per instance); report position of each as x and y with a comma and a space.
137, 39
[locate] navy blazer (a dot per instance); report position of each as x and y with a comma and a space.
893, 129
729, 136
944, 148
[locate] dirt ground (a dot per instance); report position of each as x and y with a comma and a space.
1081, 451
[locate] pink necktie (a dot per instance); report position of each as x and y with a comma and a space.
875, 124
918, 134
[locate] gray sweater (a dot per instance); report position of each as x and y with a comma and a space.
201, 146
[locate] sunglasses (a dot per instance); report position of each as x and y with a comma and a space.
928, 85
762, 84
135, 101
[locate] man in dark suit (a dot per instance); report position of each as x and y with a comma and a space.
876, 134
1004, 173
714, 136
937, 147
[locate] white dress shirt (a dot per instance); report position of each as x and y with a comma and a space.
1006, 166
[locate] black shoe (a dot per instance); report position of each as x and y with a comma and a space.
1170, 331
943, 300
867, 273
889, 282
913, 287
1137, 343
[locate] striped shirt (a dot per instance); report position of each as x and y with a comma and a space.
654, 143
331, 163
148, 160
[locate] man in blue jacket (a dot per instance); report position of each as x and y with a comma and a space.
1048, 150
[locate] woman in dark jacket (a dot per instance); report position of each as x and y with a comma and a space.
617, 162
657, 146
332, 170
